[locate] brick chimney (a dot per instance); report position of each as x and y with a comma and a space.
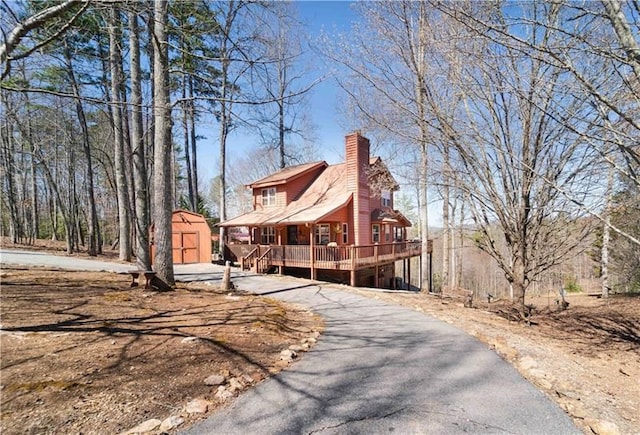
357, 163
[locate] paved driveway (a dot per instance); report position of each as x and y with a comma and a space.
378, 368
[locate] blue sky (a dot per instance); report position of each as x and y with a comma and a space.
319, 16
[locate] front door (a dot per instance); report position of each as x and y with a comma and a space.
292, 234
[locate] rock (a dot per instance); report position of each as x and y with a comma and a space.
215, 380
189, 340
144, 427
235, 385
171, 423
248, 379
197, 406
296, 348
602, 427
288, 355
570, 394
223, 394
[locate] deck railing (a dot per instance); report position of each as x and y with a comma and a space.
327, 257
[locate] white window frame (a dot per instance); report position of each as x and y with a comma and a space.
387, 233
322, 234
345, 233
385, 198
269, 196
375, 233
267, 235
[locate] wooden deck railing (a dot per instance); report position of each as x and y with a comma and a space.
325, 257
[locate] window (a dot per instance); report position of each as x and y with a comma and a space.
269, 196
397, 234
386, 198
375, 233
387, 233
322, 234
268, 236
345, 233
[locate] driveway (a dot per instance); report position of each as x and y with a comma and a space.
377, 368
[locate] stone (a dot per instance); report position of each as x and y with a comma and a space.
223, 394
215, 380
602, 427
197, 406
171, 423
248, 379
235, 385
189, 340
288, 355
296, 348
144, 427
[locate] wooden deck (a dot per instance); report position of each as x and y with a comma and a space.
347, 258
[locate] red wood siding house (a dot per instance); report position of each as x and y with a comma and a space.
335, 221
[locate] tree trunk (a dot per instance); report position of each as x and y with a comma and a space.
143, 257
194, 149
124, 232
8, 153
163, 259
92, 223
606, 234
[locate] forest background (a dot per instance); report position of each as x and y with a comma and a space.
518, 120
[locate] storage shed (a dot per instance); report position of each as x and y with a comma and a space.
191, 238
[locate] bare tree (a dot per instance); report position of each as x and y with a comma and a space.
12, 40
281, 81
596, 43
520, 156
385, 73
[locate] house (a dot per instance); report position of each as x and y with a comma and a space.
330, 222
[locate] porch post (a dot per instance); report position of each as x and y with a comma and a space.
313, 251
280, 267
353, 265
409, 273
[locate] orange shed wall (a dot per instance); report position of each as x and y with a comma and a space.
194, 224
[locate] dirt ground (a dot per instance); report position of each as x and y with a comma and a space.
84, 353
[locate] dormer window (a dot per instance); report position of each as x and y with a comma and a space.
386, 198
268, 196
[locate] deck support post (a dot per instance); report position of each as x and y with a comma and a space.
313, 251
409, 273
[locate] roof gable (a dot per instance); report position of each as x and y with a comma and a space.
287, 174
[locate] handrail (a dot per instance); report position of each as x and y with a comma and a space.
249, 256
341, 257
259, 267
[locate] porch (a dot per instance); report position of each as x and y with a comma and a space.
262, 258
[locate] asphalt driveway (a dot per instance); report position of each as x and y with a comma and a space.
378, 368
